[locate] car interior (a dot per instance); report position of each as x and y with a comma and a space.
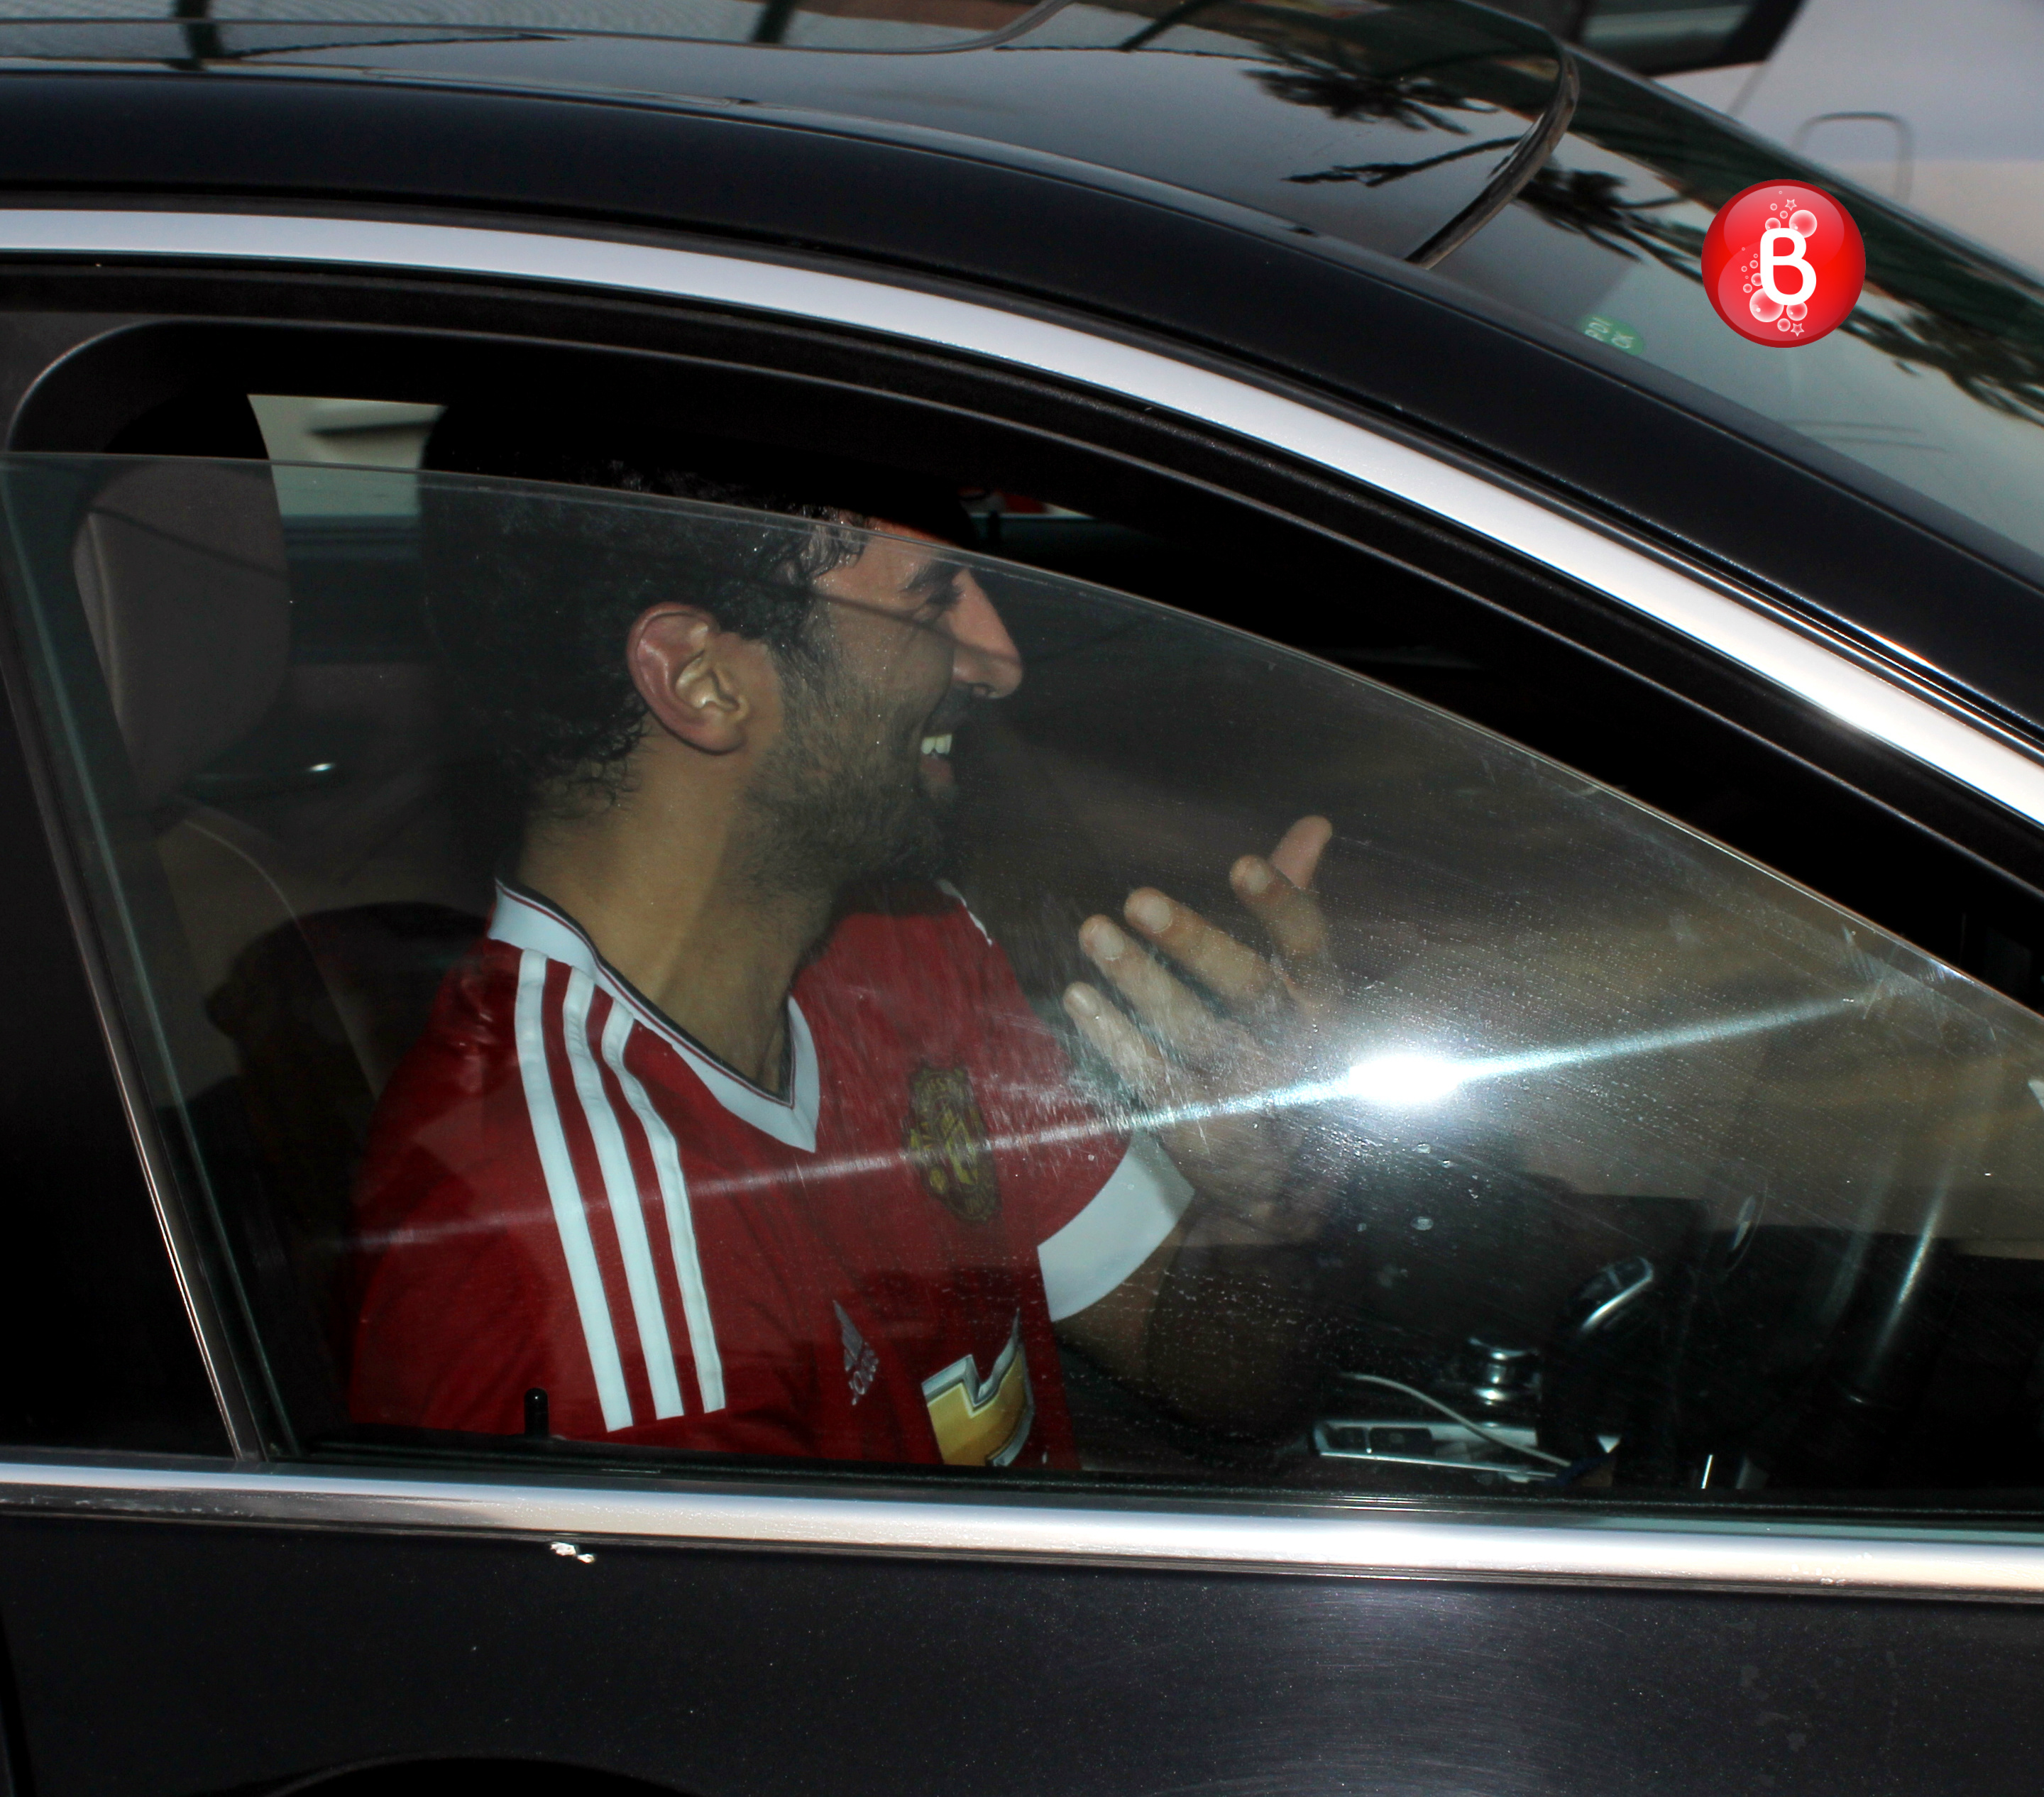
325, 843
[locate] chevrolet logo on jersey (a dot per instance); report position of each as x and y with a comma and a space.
982, 1421
946, 1138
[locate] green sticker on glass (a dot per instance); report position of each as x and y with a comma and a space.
1613, 330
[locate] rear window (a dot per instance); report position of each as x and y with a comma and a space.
1930, 396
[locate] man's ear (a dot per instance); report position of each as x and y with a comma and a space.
701, 683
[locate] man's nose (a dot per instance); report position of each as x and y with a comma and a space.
984, 655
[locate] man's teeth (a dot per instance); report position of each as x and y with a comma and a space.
937, 745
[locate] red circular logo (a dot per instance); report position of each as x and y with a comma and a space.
1783, 263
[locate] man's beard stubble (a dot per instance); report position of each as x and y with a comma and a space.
838, 799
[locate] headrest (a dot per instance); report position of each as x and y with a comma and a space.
181, 566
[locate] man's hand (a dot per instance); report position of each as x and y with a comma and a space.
1219, 1078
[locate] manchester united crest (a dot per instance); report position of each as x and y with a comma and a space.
946, 1137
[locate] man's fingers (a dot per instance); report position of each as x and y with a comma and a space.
1297, 855
1172, 1014
1234, 972
1298, 925
1134, 1057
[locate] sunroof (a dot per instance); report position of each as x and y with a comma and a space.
823, 25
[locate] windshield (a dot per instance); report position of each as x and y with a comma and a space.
1930, 395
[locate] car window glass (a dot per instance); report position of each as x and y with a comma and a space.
685, 986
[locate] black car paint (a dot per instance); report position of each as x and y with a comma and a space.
188, 1658
1401, 84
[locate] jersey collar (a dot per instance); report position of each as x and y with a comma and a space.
524, 920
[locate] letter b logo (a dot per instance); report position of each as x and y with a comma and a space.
1774, 257
1783, 263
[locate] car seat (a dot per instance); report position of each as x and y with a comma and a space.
312, 970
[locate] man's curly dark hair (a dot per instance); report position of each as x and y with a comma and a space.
532, 589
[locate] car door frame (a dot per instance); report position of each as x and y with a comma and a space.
1882, 697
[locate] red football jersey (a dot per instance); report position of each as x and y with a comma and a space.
563, 1190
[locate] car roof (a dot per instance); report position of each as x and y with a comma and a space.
1371, 124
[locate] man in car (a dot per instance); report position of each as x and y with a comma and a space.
717, 1157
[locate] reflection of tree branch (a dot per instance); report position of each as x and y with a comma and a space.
1588, 202
1949, 315
1333, 78
1377, 174
1345, 96
2004, 374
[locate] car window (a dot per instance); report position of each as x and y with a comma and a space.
689, 985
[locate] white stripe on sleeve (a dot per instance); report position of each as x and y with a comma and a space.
1118, 1230
584, 1276
681, 1222
626, 1211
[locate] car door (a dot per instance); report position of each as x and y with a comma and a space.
1680, 1097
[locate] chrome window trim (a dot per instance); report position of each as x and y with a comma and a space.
1335, 1539
1863, 693
1340, 1536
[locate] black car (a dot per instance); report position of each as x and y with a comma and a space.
920, 892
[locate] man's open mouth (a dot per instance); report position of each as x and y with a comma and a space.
937, 745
